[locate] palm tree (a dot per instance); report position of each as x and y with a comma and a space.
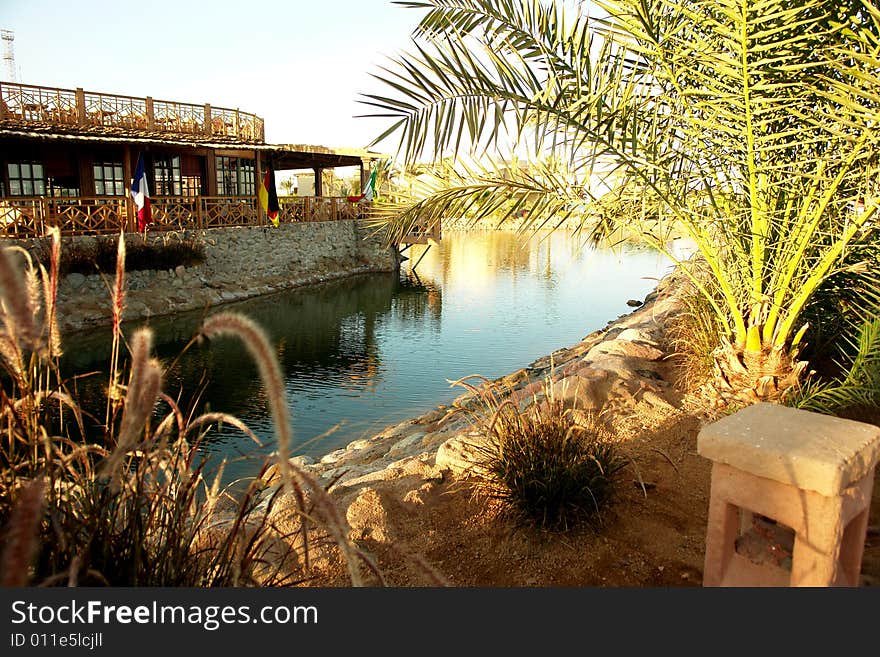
751, 126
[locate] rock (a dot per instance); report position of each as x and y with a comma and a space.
180, 270
585, 391
405, 446
625, 348
136, 309
418, 496
333, 456
462, 454
368, 517
75, 280
300, 461
633, 303
637, 335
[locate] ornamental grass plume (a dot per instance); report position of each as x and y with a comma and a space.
145, 382
17, 302
50, 294
295, 479
255, 341
23, 534
117, 307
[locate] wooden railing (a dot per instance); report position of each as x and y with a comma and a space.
317, 208
75, 108
22, 217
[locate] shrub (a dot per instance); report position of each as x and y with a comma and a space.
544, 467
100, 255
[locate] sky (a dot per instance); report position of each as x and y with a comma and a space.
299, 64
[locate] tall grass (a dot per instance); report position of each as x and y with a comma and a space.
134, 506
543, 467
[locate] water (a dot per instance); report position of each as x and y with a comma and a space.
369, 351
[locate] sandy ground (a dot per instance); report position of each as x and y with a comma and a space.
652, 535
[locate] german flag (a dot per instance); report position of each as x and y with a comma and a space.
268, 197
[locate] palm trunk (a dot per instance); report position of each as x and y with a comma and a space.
751, 376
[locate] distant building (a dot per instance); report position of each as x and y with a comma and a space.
67, 158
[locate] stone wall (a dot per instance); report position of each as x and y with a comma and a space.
240, 262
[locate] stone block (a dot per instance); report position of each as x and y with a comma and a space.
791, 446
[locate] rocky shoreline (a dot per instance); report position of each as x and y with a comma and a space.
613, 370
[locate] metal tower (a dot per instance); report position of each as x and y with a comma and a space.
8, 54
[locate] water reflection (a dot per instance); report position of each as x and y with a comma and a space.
367, 351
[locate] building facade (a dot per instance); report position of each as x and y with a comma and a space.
67, 158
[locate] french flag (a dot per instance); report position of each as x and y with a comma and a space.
140, 194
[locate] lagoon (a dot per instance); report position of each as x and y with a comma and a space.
368, 351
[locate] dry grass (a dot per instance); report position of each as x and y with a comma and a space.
133, 506
544, 465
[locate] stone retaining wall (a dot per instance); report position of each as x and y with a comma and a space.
240, 262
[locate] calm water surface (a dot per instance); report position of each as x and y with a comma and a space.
369, 351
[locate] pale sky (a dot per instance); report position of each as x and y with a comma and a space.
299, 64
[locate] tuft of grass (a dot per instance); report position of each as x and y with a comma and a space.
694, 335
541, 465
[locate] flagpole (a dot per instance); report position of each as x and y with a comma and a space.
127, 175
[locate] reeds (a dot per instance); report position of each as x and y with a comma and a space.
22, 538
133, 506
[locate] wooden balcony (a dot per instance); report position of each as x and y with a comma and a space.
27, 217
76, 110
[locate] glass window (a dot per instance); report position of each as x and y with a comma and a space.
235, 176
108, 179
63, 186
166, 171
26, 179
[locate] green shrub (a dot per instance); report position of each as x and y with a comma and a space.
543, 467
100, 256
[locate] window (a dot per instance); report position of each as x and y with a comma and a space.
63, 186
169, 181
26, 179
192, 186
235, 176
108, 179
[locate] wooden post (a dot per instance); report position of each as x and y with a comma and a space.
206, 128
86, 175
237, 125
258, 181
319, 184
3, 108
43, 217
80, 106
151, 117
199, 221
211, 172
130, 212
